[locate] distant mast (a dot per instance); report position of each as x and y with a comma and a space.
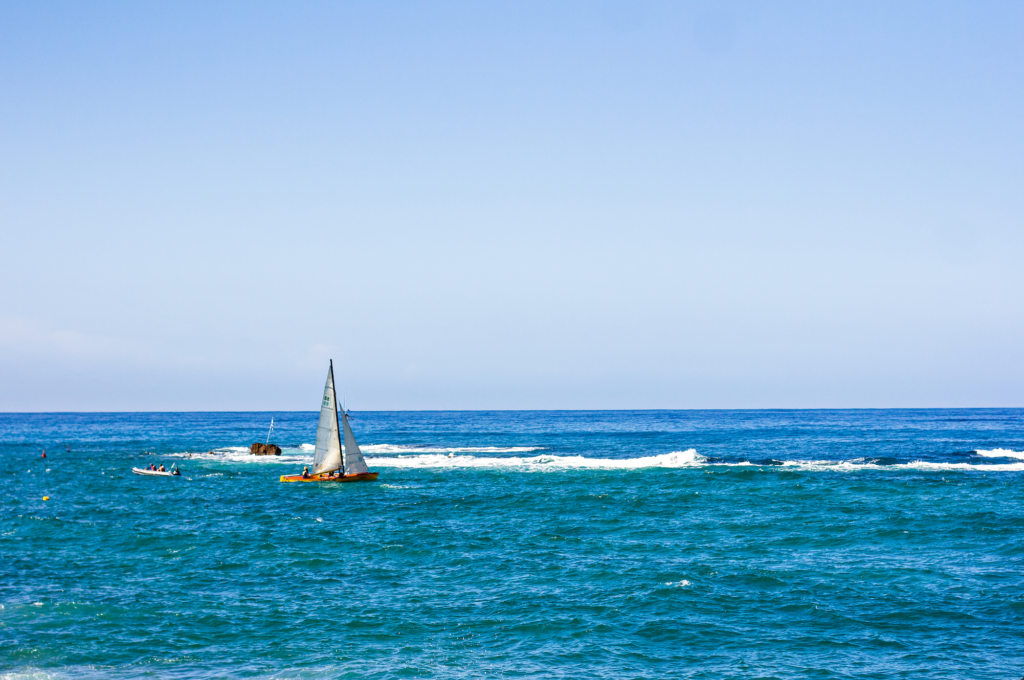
271, 430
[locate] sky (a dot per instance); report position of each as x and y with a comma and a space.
523, 205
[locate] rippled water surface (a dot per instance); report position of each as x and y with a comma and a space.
758, 544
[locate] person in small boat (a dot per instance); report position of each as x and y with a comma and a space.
151, 467
176, 472
162, 468
305, 472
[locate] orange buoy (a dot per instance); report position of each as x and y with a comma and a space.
46, 498
44, 454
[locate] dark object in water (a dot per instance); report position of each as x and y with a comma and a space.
258, 449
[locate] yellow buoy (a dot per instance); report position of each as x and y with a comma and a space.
46, 498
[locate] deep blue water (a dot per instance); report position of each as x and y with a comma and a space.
648, 544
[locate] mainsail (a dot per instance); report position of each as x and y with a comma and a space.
327, 456
354, 463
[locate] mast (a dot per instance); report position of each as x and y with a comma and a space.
337, 425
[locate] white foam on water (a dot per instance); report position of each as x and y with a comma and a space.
854, 466
403, 449
31, 674
302, 454
922, 465
1000, 453
400, 456
676, 459
240, 454
677, 584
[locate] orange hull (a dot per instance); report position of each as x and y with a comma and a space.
364, 477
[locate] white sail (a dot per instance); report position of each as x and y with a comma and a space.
354, 463
327, 456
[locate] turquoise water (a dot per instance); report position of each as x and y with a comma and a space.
758, 544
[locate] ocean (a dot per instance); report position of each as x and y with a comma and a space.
550, 544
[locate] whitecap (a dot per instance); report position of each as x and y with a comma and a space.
675, 459
408, 449
402, 456
240, 454
856, 465
39, 674
301, 454
1000, 453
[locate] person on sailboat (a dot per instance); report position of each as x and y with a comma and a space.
333, 462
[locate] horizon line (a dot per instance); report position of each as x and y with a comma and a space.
552, 410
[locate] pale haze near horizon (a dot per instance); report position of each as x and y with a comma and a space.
529, 205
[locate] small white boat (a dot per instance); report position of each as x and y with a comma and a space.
155, 473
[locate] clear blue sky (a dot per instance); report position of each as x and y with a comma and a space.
517, 205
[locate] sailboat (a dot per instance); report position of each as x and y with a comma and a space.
330, 463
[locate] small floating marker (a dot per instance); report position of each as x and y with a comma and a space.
44, 454
46, 498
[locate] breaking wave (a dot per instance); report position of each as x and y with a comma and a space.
676, 459
240, 454
303, 453
1000, 453
400, 449
496, 457
858, 465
